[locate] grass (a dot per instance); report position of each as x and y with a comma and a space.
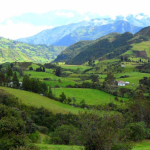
133, 78
33, 99
58, 147
91, 96
145, 145
75, 67
143, 46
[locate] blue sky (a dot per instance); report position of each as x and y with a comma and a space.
10, 8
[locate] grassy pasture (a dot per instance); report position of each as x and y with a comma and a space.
58, 147
75, 67
133, 78
91, 96
143, 46
33, 99
145, 145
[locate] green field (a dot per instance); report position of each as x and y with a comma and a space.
33, 99
91, 96
58, 147
75, 67
143, 46
145, 145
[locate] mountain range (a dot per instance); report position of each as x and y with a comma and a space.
109, 47
72, 33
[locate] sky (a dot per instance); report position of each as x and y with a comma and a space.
10, 8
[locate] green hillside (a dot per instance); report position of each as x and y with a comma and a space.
11, 51
75, 49
115, 46
101, 48
33, 99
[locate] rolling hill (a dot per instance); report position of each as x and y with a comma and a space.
131, 46
11, 51
73, 50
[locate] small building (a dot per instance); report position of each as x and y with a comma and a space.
122, 66
10, 84
127, 83
121, 83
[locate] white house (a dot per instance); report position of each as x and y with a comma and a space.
122, 66
10, 84
127, 83
121, 83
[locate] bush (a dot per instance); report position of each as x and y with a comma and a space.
63, 135
136, 131
34, 137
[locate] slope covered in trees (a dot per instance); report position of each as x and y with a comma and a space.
16, 51
101, 48
73, 50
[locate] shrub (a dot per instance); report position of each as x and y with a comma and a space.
34, 137
136, 131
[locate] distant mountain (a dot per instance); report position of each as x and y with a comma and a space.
73, 50
51, 36
11, 51
102, 47
85, 30
94, 32
126, 45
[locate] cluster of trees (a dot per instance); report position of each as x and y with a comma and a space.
40, 69
17, 130
34, 85
9, 77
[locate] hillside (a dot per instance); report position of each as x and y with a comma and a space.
73, 50
11, 51
94, 32
101, 48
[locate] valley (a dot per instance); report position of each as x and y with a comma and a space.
88, 88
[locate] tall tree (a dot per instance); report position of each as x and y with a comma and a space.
15, 80
110, 83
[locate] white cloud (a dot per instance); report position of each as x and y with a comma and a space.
87, 18
15, 31
69, 15
139, 17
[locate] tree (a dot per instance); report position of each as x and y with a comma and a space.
30, 68
110, 83
15, 80
100, 133
1, 67
11, 65
43, 69
95, 78
2, 77
58, 71
9, 73
122, 91
62, 97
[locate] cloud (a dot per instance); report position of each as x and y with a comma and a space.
87, 18
139, 17
20, 30
69, 15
